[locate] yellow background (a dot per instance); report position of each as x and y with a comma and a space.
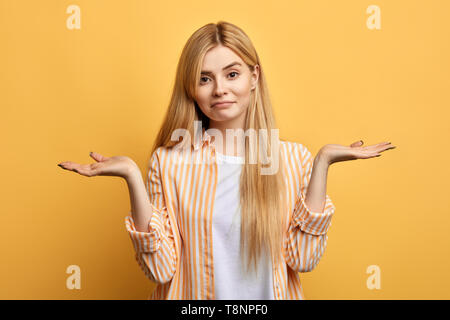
105, 88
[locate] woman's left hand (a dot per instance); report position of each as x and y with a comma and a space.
332, 153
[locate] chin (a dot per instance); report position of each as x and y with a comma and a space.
226, 114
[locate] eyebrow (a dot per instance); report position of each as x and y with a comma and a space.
228, 66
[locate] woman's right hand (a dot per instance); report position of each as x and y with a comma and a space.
119, 166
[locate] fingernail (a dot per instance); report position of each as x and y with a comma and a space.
90, 153
59, 165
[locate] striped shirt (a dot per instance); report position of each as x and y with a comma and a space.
177, 251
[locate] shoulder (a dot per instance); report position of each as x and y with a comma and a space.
162, 152
298, 160
297, 149
167, 156
158, 157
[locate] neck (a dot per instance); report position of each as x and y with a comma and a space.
234, 124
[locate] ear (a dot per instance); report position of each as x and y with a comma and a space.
255, 76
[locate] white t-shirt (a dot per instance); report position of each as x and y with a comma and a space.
231, 280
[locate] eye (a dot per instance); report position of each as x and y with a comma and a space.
203, 78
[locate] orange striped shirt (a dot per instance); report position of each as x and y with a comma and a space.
177, 252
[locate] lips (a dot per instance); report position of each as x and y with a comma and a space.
222, 103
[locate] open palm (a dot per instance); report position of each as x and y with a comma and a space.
119, 166
336, 152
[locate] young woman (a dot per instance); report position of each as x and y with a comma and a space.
209, 222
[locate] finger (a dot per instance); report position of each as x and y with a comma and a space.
380, 144
367, 155
387, 147
72, 166
377, 147
65, 165
357, 144
97, 156
87, 170
371, 154
84, 170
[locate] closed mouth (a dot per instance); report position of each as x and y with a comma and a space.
222, 103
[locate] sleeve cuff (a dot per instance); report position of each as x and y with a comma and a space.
313, 222
145, 242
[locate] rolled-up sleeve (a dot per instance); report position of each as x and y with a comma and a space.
155, 249
316, 223
307, 232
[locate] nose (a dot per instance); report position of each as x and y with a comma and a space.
219, 88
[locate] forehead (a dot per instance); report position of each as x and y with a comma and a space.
218, 57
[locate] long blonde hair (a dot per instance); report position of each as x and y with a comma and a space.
262, 197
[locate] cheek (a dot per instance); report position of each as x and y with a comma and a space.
242, 88
202, 96
203, 100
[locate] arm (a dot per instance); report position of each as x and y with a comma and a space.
141, 208
316, 192
149, 226
312, 214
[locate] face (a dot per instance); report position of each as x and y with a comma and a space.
225, 77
